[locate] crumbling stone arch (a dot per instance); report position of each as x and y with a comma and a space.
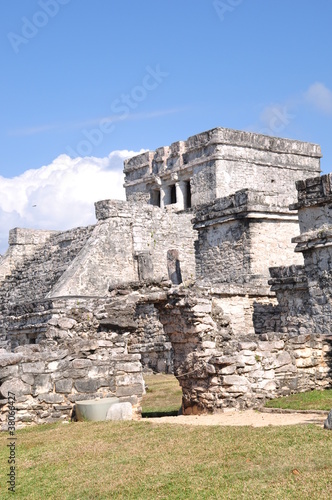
196, 338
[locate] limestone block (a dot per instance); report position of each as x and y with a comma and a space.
228, 370
247, 346
161, 365
249, 360
10, 359
28, 378
42, 384
257, 374
129, 367
53, 366
64, 385
66, 323
128, 379
286, 369
120, 411
268, 386
234, 380
208, 345
223, 360
303, 353
283, 358
306, 362
51, 398
16, 386
246, 352
202, 308
328, 422
248, 369
210, 368
87, 386
81, 363
271, 346
238, 389
37, 367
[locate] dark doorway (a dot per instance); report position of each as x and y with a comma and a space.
173, 194
188, 195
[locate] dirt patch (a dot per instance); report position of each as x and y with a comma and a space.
247, 417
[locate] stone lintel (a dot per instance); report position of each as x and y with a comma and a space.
248, 215
319, 238
244, 204
284, 277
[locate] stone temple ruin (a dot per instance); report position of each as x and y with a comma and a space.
217, 268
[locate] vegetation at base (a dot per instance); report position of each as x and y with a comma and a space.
313, 400
163, 396
146, 460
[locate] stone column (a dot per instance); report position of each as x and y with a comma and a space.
162, 196
180, 194
165, 195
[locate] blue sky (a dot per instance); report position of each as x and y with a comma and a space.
105, 78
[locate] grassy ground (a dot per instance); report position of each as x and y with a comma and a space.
142, 460
163, 396
313, 400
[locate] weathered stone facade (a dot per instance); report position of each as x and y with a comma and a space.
196, 273
217, 163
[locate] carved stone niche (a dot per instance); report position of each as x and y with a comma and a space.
173, 267
145, 266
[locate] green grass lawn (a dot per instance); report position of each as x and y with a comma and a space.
143, 460
163, 396
148, 461
313, 400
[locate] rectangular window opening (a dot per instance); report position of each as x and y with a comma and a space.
155, 197
173, 194
188, 195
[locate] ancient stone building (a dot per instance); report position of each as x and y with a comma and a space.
202, 271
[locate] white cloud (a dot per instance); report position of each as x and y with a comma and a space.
38, 129
320, 97
273, 119
60, 195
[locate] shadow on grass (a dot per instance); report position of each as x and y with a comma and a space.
156, 414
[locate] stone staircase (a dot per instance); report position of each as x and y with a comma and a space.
35, 277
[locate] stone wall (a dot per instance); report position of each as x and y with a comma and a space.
217, 369
241, 236
150, 340
315, 243
294, 309
23, 243
34, 276
81, 354
84, 353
